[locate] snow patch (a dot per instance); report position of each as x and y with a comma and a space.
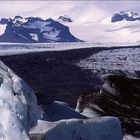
42, 25
129, 137
2, 29
34, 36
53, 35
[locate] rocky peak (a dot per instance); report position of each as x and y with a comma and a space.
65, 18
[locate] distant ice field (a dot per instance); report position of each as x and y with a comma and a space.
124, 59
120, 61
21, 48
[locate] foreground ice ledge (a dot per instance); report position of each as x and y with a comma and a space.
102, 128
18, 108
20, 115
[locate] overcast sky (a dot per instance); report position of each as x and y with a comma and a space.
78, 9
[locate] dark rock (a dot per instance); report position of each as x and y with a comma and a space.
4, 21
119, 97
65, 18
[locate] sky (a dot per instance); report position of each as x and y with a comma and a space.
88, 17
84, 10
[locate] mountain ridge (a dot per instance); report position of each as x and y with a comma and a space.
35, 30
125, 15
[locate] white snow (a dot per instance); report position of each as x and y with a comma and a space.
20, 19
129, 137
72, 129
47, 30
52, 35
132, 14
90, 113
110, 89
2, 29
34, 36
18, 107
41, 25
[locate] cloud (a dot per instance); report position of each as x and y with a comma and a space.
81, 10
12, 8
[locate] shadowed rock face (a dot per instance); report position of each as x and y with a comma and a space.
53, 74
65, 18
120, 97
87, 98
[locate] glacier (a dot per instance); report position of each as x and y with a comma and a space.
21, 117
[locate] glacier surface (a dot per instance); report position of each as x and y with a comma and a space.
19, 111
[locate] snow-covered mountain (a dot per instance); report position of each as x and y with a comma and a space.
34, 29
127, 16
122, 27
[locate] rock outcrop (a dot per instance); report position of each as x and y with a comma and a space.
121, 98
65, 18
118, 97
